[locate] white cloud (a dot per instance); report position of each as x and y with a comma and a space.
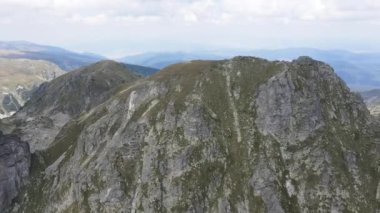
211, 22
90, 20
216, 11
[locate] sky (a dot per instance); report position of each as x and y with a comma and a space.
123, 27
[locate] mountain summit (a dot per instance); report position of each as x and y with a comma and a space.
239, 135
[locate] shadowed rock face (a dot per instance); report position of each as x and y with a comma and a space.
239, 135
14, 167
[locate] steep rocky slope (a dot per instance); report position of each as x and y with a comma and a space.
14, 167
51, 106
240, 135
18, 78
54, 103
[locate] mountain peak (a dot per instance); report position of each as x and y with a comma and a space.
103, 66
244, 134
106, 63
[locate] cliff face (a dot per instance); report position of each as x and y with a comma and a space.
14, 167
52, 105
240, 135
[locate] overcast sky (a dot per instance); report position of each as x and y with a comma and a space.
119, 27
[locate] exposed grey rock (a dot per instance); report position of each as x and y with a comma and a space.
14, 168
240, 135
10, 103
55, 103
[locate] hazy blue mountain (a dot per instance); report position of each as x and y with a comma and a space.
160, 60
360, 70
142, 70
66, 60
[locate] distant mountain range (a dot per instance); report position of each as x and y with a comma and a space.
163, 59
65, 59
24, 66
361, 71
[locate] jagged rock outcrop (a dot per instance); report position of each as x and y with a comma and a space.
14, 168
239, 135
18, 79
55, 103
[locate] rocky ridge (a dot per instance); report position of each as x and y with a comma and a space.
55, 103
239, 135
51, 106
